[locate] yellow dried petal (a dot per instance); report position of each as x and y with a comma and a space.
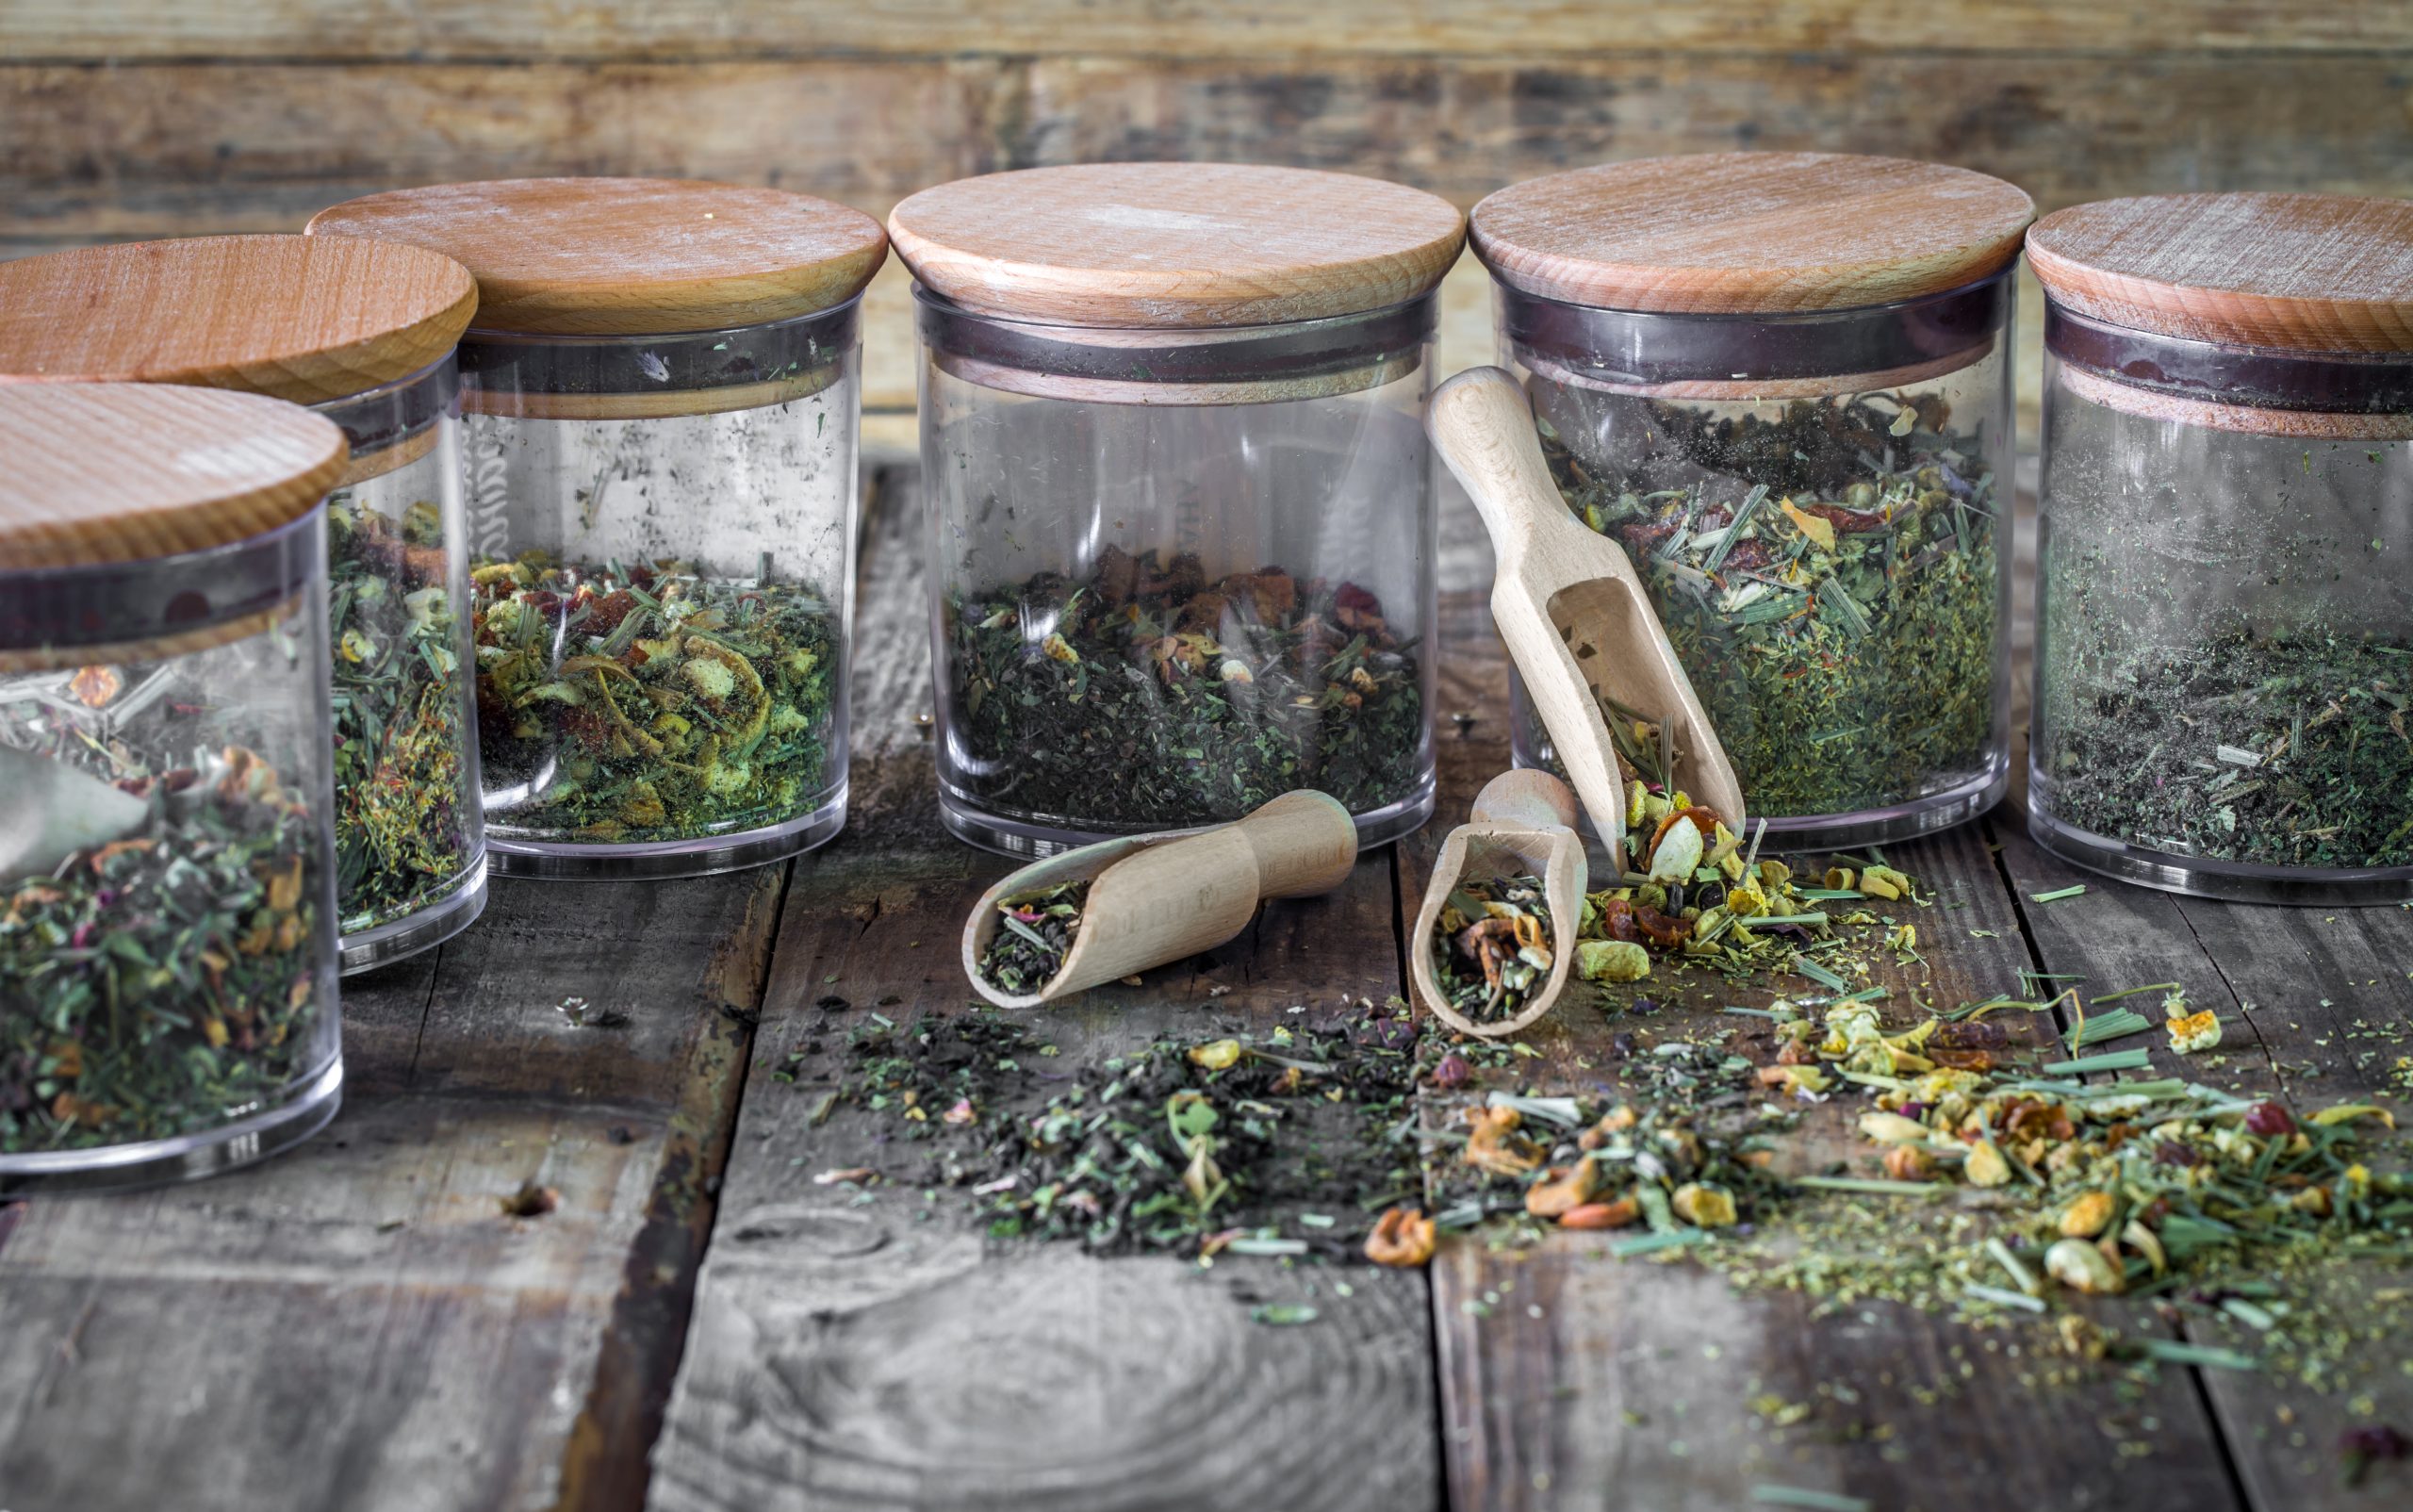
2088, 1215
1221, 1056
1986, 1165
1704, 1205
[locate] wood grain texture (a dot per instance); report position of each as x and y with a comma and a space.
1176, 244
323, 29
358, 1324
627, 256
870, 1351
1750, 233
2314, 272
123, 472
2323, 1007
276, 315
180, 149
1576, 1380
1571, 1379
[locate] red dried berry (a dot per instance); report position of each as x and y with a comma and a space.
1453, 1073
2269, 1118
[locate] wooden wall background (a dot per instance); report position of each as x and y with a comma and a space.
142, 118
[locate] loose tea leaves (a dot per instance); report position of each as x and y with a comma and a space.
648, 703
1034, 932
1185, 1145
1146, 698
1828, 580
404, 811
2289, 750
166, 982
1491, 945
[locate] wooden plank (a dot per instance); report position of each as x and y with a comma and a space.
358, 1325
873, 1353
1572, 1379
690, 28
2325, 995
182, 148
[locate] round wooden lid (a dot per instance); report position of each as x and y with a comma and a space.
628, 256
276, 315
2316, 273
1751, 233
124, 473
1167, 245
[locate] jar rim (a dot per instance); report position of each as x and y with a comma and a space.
2231, 376
1899, 341
159, 606
1319, 357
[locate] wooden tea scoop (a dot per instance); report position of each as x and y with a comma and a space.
1522, 824
1571, 609
49, 810
1161, 897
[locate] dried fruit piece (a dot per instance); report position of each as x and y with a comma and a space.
1560, 1190
1594, 1215
1986, 1166
2082, 1267
1403, 1237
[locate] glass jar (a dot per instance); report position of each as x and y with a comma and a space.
168, 934
2225, 612
1781, 382
362, 333
662, 501
1181, 553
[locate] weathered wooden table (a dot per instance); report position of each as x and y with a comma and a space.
700, 1324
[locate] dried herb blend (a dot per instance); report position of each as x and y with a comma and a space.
1828, 580
1188, 1144
1147, 698
1491, 945
1034, 933
647, 703
164, 982
404, 814
2288, 749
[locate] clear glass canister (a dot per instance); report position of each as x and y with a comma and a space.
362, 333
1820, 506
664, 532
1178, 572
2224, 615
410, 840
168, 917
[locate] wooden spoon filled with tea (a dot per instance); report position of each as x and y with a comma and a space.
1502, 908
1573, 612
1064, 925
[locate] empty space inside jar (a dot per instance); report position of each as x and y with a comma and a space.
661, 539
1818, 508
2224, 653
1178, 573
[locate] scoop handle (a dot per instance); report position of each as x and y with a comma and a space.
1481, 426
1524, 799
1304, 843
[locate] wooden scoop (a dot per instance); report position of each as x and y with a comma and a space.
1522, 824
1161, 897
1571, 609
